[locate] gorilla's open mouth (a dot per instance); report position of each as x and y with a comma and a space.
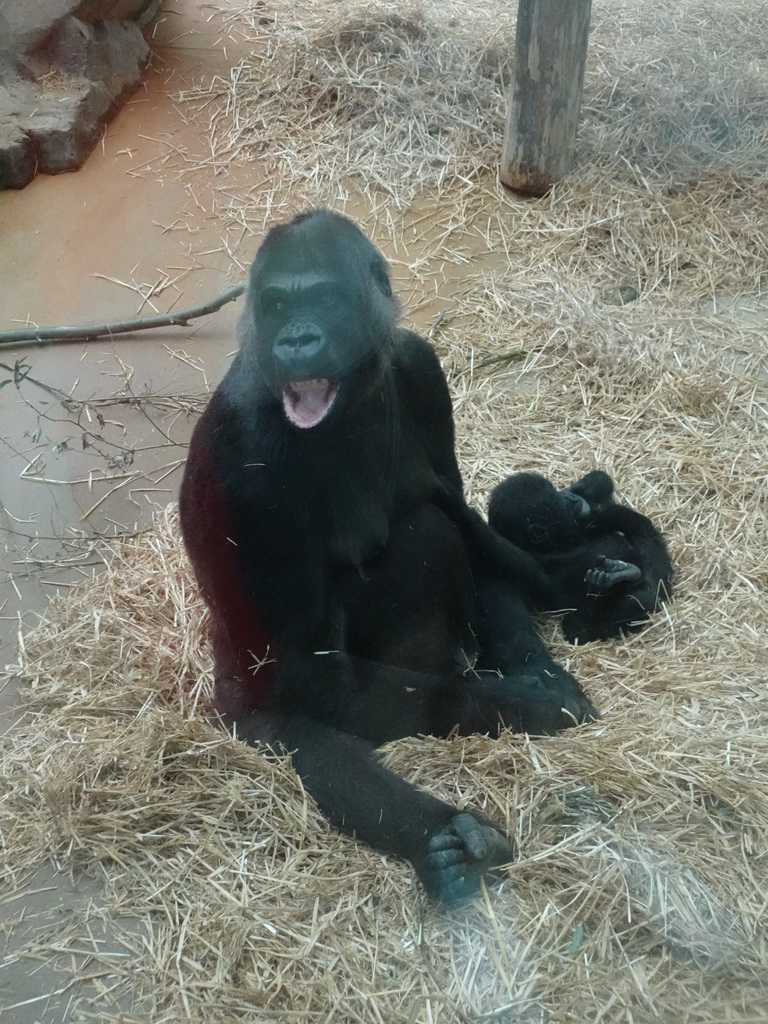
308, 402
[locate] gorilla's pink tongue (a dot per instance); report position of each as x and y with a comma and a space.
307, 402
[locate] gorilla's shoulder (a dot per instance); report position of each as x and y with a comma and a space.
414, 354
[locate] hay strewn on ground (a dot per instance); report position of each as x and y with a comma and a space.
397, 98
640, 891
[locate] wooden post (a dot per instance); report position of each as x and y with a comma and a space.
545, 99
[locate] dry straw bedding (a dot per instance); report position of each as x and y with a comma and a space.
399, 97
640, 889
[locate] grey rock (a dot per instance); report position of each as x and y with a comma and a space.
27, 24
18, 163
55, 102
112, 10
66, 127
106, 52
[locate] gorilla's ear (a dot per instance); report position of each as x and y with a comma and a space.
381, 277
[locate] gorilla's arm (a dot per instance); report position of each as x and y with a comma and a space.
424, 392
596, 488
493, 556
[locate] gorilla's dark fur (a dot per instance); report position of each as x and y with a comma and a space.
608, 563
349, 584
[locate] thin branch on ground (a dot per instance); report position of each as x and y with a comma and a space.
41, 335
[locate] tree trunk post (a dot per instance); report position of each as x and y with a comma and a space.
545, 98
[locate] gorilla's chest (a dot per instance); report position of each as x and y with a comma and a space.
351, 511
355, 525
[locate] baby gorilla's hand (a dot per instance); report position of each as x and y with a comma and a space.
608, 572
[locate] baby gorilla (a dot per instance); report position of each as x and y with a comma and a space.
608, 563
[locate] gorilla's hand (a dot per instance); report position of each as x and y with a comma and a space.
546, 701
459, 855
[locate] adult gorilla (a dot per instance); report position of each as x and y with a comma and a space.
349, 584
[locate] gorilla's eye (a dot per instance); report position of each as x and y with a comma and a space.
325, 297
273, 302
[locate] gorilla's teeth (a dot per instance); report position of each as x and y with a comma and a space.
307, 402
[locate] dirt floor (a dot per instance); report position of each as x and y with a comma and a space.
643, 860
